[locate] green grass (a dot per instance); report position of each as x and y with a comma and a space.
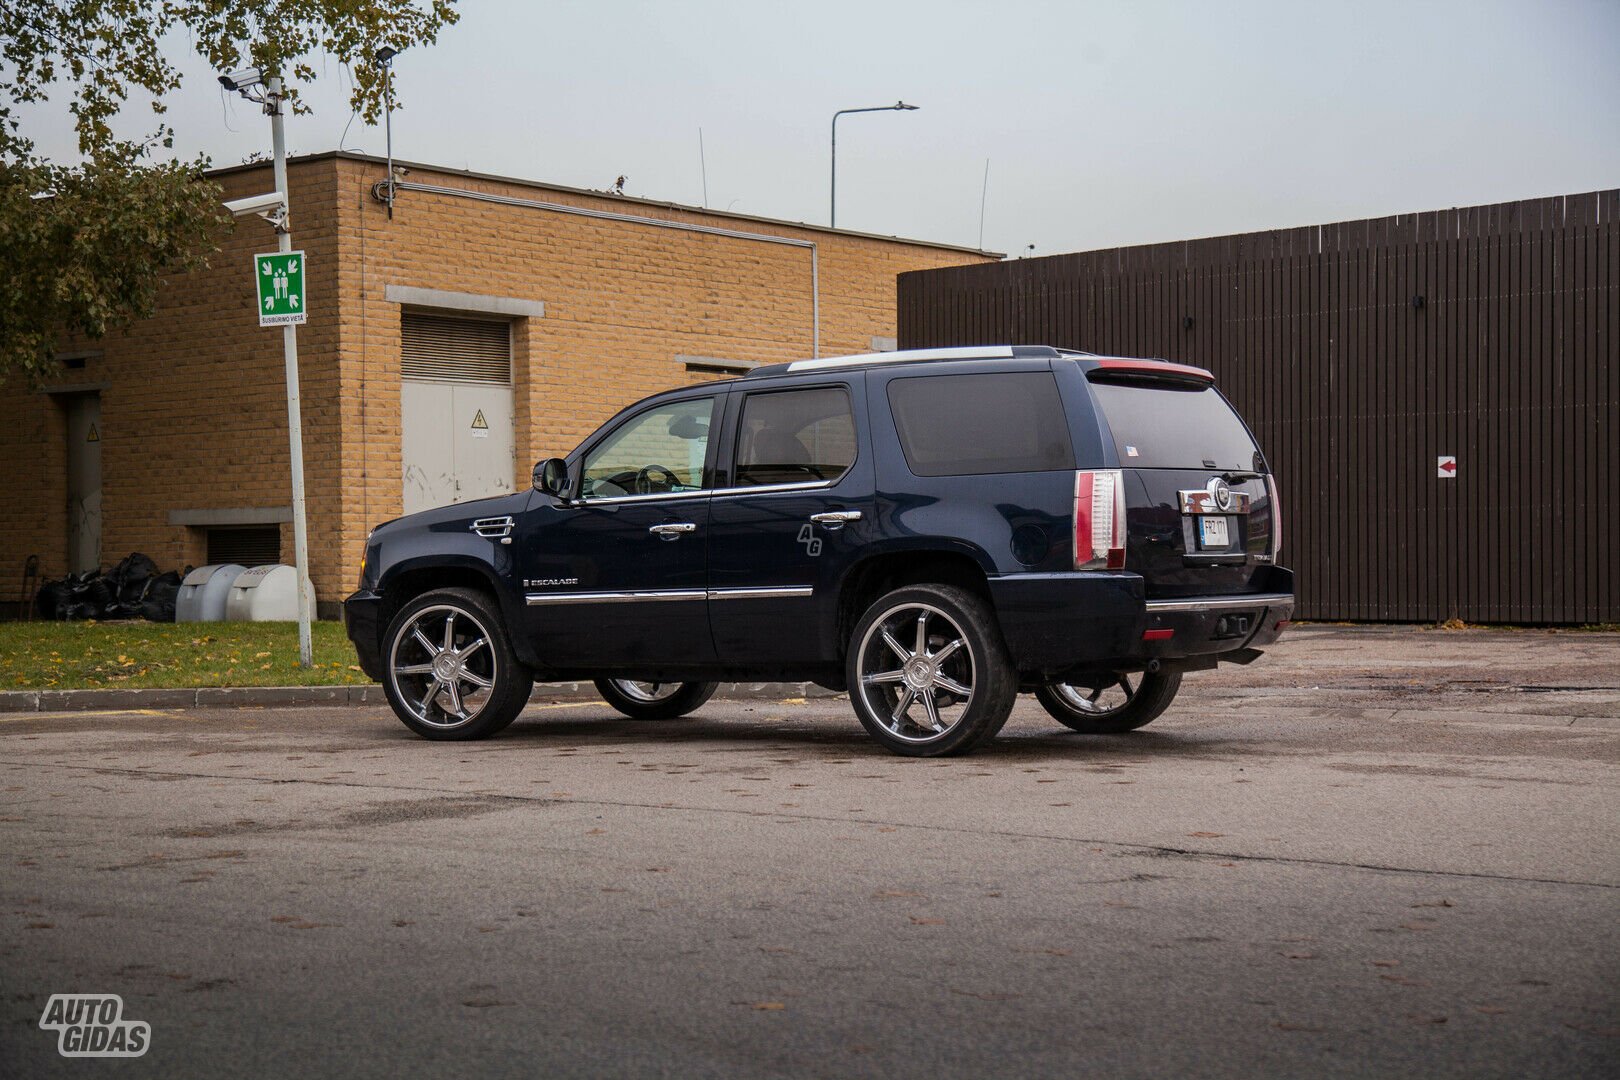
141, 655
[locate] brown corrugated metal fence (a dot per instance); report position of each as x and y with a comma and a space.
1360, 352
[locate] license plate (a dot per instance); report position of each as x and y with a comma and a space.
1212, 532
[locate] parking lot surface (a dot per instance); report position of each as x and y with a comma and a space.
1374, 852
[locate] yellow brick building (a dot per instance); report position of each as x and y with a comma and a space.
580, 301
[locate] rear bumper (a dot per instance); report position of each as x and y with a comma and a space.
1068, 621
360, 613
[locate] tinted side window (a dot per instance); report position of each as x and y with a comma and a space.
660, 451
962, 425
795, 437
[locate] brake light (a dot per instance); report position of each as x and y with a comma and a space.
1276, 515
1099, 519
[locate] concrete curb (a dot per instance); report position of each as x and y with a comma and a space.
261, 697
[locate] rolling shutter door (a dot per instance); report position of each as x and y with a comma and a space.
256, 545
443, 349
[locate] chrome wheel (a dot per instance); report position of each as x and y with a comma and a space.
915, 672
1100, 701
443, 666
647, 692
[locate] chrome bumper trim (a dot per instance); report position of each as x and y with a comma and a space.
1222, 603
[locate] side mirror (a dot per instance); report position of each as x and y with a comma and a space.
551, 477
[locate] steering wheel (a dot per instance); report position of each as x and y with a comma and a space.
644, 480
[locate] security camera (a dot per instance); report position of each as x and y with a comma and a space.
241, 80
271, 203
271, 206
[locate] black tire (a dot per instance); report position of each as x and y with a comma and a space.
1089, 710
635, 700
435, 638
960, 649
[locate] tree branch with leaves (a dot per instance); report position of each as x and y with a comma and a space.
84, 245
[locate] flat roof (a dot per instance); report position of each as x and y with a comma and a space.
351, 155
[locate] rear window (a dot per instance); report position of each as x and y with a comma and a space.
964, 425
1165, 426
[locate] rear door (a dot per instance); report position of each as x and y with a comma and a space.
794, 508
1197, 509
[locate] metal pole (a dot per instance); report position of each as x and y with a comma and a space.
388, 127
289, 348
832, 210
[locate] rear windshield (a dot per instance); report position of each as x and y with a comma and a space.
966, 425
1165, 426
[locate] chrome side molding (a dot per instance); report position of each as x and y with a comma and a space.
663, 595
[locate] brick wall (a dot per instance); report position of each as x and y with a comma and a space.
193, 405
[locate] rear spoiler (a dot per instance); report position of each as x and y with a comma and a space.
1108, 370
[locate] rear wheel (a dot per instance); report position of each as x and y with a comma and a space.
928, 673
654, 700
448, 667
1132, 701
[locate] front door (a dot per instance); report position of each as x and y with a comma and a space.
617, 577
796, 507
84, 482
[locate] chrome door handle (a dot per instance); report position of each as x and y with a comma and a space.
672, 531
836, 519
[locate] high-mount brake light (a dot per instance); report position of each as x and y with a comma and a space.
1099, 519
1276, 515
1150, 369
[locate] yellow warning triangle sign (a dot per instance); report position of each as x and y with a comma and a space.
479, 423
95, 436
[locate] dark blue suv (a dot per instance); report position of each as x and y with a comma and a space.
932, 531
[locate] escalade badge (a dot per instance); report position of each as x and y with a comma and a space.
1221, 493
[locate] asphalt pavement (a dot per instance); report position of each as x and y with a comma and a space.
1372, 853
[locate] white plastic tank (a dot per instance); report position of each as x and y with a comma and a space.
265, 594
204, 593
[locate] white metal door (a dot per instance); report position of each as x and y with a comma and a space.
458, 442
429, 452
84, 482
455, 409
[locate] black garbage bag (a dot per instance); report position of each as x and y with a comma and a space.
52, 599
131, 577
157, 603
91, 596
78, 611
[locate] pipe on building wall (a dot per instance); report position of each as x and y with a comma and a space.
661, 223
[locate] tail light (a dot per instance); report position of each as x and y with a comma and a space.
1276, 515
1099, 519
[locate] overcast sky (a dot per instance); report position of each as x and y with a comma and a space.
1104, 123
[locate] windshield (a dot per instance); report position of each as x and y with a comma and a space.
1166, 426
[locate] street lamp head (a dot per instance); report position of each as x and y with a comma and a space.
385, 54
908, 108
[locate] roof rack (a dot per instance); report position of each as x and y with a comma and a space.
911, 356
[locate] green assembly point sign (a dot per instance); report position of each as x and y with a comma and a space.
281, 287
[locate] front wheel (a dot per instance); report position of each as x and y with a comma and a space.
654, 700
1114, 709
448, 667
928, 673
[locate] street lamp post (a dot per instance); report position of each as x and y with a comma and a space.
385, 60
899, 106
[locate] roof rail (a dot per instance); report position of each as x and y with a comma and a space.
903, 356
